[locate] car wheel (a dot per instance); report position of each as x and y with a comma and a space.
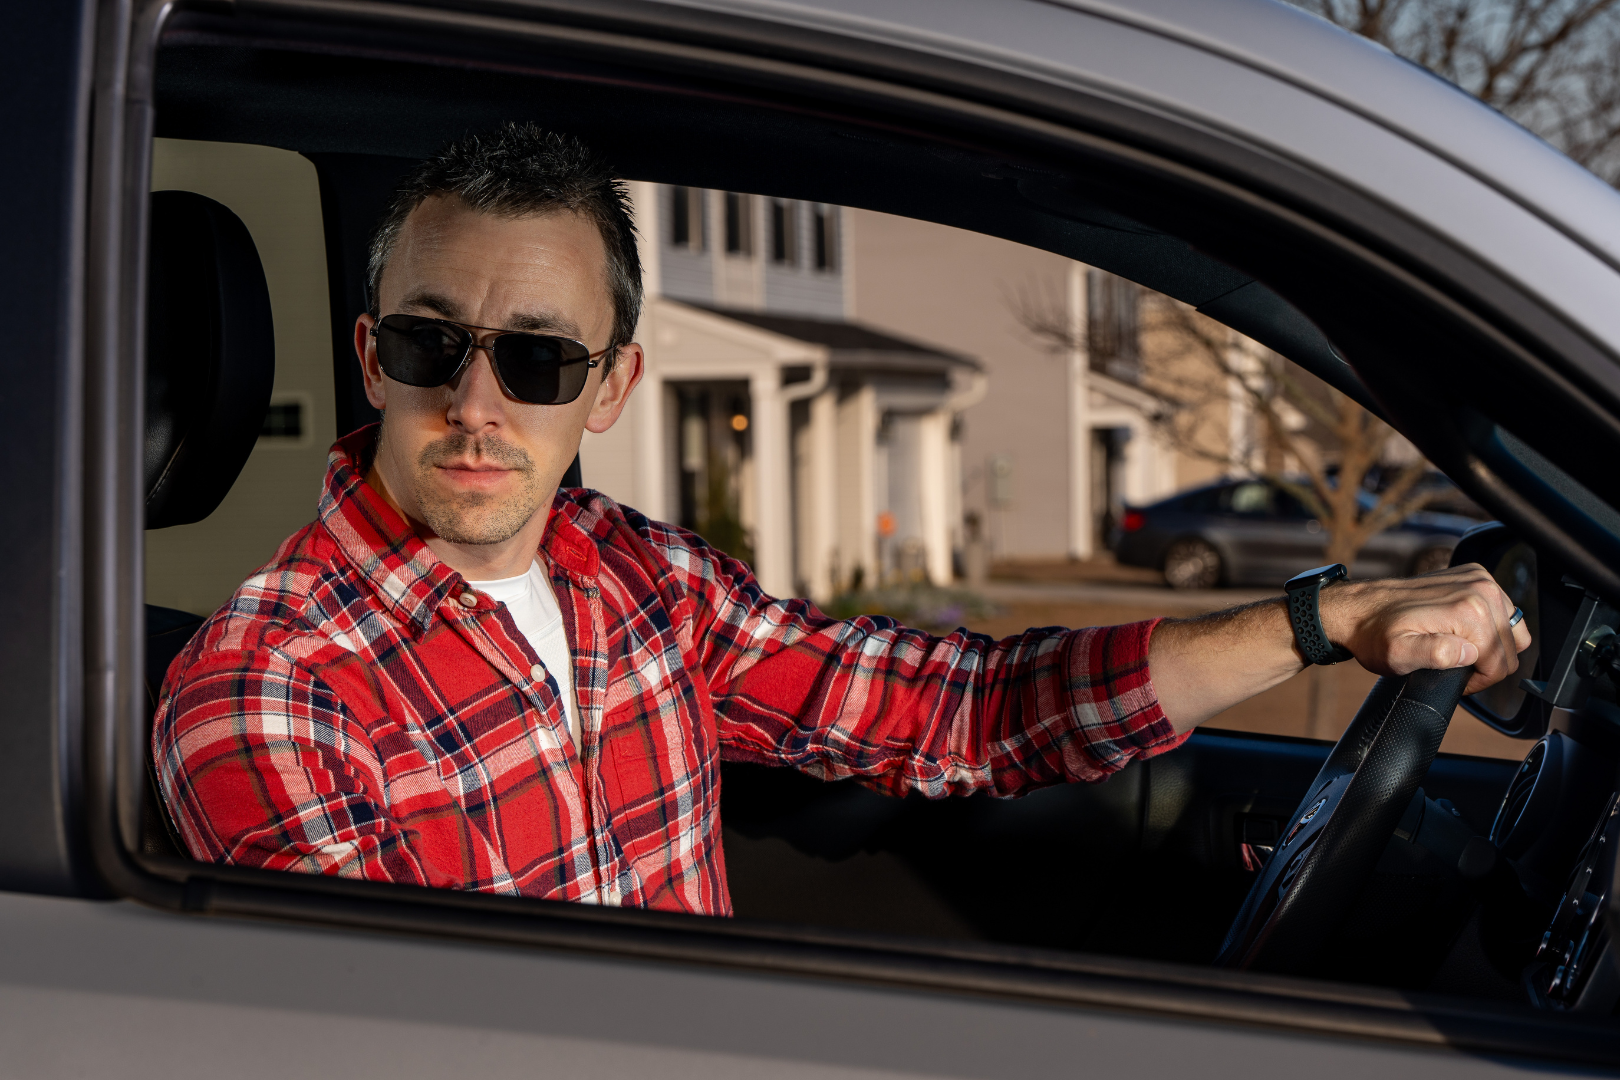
1430, 559
1192, 563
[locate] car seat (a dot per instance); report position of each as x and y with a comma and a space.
210, 365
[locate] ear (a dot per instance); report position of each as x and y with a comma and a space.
365, 347
614, 390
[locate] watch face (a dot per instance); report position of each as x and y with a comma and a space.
1324, 574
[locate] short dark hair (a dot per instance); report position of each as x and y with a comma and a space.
514, 171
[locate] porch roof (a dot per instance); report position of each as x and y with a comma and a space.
853, 346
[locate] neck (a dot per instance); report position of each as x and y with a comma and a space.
475, 562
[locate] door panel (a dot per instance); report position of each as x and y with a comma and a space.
1148, 863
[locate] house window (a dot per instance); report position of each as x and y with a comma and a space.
824, 231
283, 420
1112, 327
784, 232
287, 421
739, 224
686, 217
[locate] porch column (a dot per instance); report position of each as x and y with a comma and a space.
933, 436
773, 543
1080, 525
821, 500
647, 409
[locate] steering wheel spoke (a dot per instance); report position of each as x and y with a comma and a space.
1340, 828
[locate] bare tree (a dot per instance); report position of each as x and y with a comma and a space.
1296, 432
1552, 65
1305, 437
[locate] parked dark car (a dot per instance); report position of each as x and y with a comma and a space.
1250, 532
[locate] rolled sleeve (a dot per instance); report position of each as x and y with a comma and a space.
1112, 702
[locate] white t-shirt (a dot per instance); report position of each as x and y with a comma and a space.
533, 607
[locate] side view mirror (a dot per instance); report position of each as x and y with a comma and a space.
1507, 707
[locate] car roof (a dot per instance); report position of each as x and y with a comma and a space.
1270, 36
1479, 180
1313, 53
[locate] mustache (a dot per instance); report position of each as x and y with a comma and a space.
457, 447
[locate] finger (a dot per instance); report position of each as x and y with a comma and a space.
1438, 652
1521, 636
1486, 625
1505, 658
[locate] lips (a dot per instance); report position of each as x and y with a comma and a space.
479, 475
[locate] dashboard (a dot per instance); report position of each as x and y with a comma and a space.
1547, 895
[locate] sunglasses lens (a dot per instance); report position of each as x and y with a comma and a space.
419, 352
541, 369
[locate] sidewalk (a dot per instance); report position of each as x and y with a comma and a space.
1165, 600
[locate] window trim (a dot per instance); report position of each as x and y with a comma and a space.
114, 696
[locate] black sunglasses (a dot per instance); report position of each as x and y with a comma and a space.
541, 369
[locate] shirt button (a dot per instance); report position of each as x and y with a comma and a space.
537, 673
468, 599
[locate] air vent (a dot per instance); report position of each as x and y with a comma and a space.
1518, 795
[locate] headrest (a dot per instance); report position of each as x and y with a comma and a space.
210, 356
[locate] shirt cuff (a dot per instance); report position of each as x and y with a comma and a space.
1112, 699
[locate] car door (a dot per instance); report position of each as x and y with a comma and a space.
1388, 553
1267, 532
1235, 127
1300, 540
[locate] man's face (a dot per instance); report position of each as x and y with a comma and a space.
470, 464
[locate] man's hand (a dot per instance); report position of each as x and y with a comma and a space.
1450, 618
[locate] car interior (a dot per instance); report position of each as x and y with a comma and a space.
1375, 860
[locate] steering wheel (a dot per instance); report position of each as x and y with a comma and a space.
1336, 835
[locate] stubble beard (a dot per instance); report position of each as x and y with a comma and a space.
473, 517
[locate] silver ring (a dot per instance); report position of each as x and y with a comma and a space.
1518, 617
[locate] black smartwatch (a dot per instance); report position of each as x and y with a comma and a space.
1305, 614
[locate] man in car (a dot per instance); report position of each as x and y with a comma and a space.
461, 676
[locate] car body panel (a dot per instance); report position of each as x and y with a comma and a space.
1268, 548
106, 989
93, 986
47, 89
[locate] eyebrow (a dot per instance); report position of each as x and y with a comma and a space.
442, 306
544, 322
532, 322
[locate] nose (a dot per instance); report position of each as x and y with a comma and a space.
477, 403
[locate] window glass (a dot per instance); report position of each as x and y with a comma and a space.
1252, 498
882, 414
1289, 506
1203, 502
1113, 335
686, 218
824, 229
784, 231
739, 224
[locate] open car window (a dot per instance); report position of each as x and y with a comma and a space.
895, 358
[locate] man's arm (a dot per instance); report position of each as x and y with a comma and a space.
897, 708
262, 764
1451, 618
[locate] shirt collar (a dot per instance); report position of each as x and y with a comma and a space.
408, 578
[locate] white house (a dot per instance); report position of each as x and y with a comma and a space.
839, 396
819, 449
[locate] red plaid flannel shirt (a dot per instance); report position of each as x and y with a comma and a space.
348, 712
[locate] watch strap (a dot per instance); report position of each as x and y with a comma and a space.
1305, 615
